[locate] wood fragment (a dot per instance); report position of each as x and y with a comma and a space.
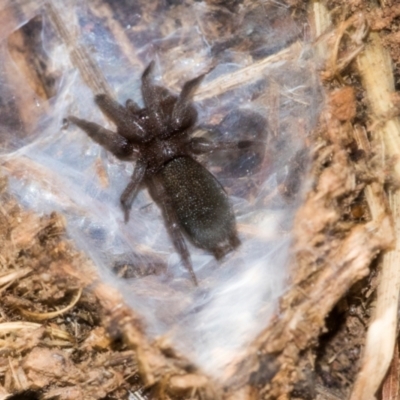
391, 385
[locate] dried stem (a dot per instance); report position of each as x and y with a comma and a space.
376, 71
80, 57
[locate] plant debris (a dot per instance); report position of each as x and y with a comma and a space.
68, 352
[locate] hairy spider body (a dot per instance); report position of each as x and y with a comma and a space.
158, 138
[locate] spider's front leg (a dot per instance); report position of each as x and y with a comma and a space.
110, 140
158, 102
128, 124
184, 114
123, 150
160, 196
132, 106
169, 114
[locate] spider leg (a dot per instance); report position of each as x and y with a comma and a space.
190, 87
110, 140
110, 107
130, 192
148, 88
128, 124
158, 102
200, 145
184, 114
160, 196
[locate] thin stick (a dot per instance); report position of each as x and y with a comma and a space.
376, 71
80, 58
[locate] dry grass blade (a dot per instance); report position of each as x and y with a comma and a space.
10, 327
247, 74
79, 55
7, 279
354, 27
390, 387
376, 71
49, 315
321, 17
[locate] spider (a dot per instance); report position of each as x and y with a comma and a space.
158, 138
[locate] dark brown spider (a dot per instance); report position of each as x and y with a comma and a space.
158, 138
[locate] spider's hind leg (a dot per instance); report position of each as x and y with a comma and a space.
200, 145
130, 192
160, 196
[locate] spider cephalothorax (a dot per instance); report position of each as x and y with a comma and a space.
158, 138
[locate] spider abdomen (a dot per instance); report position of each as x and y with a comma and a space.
201, 205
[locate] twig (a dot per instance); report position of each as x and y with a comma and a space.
376, 71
